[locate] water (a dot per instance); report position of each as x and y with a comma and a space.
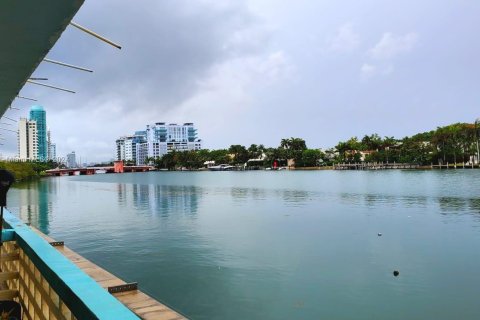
276, 245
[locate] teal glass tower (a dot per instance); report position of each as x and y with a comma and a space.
38, 114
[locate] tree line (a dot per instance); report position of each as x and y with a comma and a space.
454, 143
239, 155
24, 170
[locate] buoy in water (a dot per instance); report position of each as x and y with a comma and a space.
396, 273
379, 234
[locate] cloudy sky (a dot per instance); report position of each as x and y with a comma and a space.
257, 71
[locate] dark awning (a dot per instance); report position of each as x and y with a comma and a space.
28, 30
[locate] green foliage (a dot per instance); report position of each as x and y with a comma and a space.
310, 158
294, 148
239, 152
28, 169
452, 143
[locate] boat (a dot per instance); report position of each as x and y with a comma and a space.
276, 169
221, 167
100, 171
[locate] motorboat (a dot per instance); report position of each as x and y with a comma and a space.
222, 167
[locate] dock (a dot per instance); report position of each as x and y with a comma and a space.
140, 303
374, 166
455, 166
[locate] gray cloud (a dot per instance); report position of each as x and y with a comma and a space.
169, 48
250, 71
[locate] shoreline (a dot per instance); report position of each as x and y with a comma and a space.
325, 168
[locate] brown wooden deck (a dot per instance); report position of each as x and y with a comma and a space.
143, 305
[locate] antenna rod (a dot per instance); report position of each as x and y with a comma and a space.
10, 119
67, 65
95, 35
49, 86
9, 130
38, 79
31, 99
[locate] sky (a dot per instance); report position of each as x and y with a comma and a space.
257, 71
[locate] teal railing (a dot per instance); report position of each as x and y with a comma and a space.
83, 296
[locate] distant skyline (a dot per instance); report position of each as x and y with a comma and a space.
257, 71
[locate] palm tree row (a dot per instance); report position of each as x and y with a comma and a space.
453, 143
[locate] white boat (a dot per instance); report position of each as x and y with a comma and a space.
100, 171
221, 167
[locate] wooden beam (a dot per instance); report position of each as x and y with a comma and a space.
8, 294
9, 257
9, 275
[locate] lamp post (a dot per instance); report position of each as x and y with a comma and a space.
477, 122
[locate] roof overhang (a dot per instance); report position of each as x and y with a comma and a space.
28, 30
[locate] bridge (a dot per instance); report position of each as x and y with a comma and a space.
118, 167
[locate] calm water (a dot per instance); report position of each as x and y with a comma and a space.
277, 245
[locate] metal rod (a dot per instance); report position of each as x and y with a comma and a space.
10, 119
31, 99
477, 121
8, 130
39, 79
49, 86
95, 35
67, 65
1, 225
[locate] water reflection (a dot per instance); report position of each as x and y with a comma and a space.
456, 205
451, 205
294, 197
32, 202
122, 193
200, 244
474, 205
162, 199
241, 194
446, 205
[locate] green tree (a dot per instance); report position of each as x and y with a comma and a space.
371, 142
254, 151
311, 157
294, 148
240, 153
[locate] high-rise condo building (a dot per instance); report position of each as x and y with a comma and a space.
27, 140
52, 152
71, 160
157, 140
34, 140
49, 145
38, 114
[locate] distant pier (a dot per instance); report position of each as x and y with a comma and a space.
374, 166
455, 166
